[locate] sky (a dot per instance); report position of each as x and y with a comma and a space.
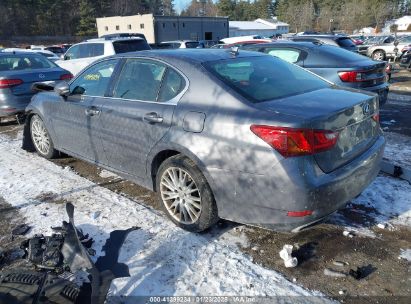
180, 4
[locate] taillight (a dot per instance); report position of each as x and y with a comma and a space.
66, 77
299, 213
351, 76
376, 117
291, 142
8, 83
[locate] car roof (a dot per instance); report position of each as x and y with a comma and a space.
333, 37
25, 53
289, 43
111, 40
178, 41
193, 55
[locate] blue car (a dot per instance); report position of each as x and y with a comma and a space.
334, 64
18, 71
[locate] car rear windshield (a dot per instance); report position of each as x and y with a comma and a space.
264, 78
192, 45
126, 46
24, 62
345, 42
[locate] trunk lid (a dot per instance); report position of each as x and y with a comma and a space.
348, 112
31, 76
370, 74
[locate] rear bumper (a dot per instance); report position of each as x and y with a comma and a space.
12, 105
330, 192
382, 91
298, 185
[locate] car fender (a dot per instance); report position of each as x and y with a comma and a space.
163, 145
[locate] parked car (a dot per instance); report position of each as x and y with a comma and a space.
373, 40
49, 55
218, 134
82, 54
239, 44
344, 42
18, 71
384, 51
179, 44
205, 44
335, 64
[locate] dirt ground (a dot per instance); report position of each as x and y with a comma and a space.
384, 277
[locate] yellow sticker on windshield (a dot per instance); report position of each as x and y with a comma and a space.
92, 77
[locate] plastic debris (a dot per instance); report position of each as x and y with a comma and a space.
339, 263
333, 273
348, 233
285, 254
341, 292
381, 226
20, 229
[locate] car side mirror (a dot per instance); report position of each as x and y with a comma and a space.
396, 42
62, 89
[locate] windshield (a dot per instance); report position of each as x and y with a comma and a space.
264, 78
24, 62
125, 46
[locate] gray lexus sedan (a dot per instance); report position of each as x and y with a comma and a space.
242, 135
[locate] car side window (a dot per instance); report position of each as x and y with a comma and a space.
140, 79
289, 55
95, 80
91, 50
72, 53
172, 85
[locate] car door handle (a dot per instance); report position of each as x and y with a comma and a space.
92, 111
152, 118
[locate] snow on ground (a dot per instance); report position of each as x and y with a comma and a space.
162, 259
406, 254
398, 149
386, 201
107, 174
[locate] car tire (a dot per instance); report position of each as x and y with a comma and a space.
185, 194
378, 55
41, 138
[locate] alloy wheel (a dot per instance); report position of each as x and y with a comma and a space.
40, 136
180, 195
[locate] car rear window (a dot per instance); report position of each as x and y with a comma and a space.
264, 78
126, 46
192, 45
333, 55
345, 42
24, 62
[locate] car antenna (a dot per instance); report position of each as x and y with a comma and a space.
234, 50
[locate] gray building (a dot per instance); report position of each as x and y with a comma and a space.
262, 27
165, 28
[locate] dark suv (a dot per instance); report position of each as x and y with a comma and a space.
344, 42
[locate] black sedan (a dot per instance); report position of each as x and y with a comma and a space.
335, 64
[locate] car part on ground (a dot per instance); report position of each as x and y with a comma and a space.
237, 121
65, 252
336, 65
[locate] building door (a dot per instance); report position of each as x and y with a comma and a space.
208, 36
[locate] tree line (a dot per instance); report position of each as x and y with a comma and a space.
77, 17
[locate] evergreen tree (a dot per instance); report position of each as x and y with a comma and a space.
87, 22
